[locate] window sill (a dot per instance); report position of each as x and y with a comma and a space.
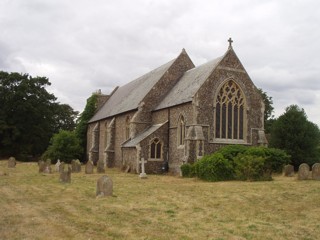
228, 141
155, 160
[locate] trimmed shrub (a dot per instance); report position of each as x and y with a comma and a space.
251, 168
275, 159
213, 168
231, 151
188, 170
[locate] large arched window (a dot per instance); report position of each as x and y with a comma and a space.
156, 149
181, 130
230, 112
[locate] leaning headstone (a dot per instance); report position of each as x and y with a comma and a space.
288, 170
12, 162
89, 167
316, 171
57, 165
104, 187
76, 166
303, 173
65, 176
100, 167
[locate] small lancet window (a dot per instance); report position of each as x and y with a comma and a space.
181, 131
127, 130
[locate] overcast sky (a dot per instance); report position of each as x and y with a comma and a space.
86, 45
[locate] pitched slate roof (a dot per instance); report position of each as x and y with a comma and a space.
128, 97
133, 142
188, 85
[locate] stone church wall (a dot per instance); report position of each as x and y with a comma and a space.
176, 153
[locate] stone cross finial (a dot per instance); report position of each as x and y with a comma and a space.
230, 42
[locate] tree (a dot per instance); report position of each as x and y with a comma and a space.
82, 123
268, 111
29, 115
64, 117
65, 146
296, 135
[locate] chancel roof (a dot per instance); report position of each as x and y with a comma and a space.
188, 85
128, 97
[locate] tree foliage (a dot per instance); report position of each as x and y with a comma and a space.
65, 146
296, 135
82, 123
268, 111
29, 115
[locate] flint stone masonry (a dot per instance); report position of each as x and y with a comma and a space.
12, 162
104, 187
316, 171
65, 176
304, 170
89, 167
288, 170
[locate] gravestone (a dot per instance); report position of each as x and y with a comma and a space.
288, 170
76, 166
47, 168
143, 173
100, 167
303, 173
104, 187
12, 162
57, 166
42, 166
89, 167
65, 176
316, 171
61, 167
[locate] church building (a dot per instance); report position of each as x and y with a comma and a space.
176, 114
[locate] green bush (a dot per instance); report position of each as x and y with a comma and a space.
231, 151
188, 170
64, 146
275, 159
251, 168
214, 167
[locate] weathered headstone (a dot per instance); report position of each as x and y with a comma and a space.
61, 167
316, 171
42, 166
76, 166
47, 168
143, 173
104, 186
288, 170
65, 176
303, 173
101, 167
57, 166
12, 162
89, 167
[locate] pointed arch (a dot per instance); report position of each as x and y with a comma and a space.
181, 130
155, 152
230, 114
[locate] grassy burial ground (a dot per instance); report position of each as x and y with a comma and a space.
38, 206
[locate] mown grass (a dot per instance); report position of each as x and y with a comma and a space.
38, 206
